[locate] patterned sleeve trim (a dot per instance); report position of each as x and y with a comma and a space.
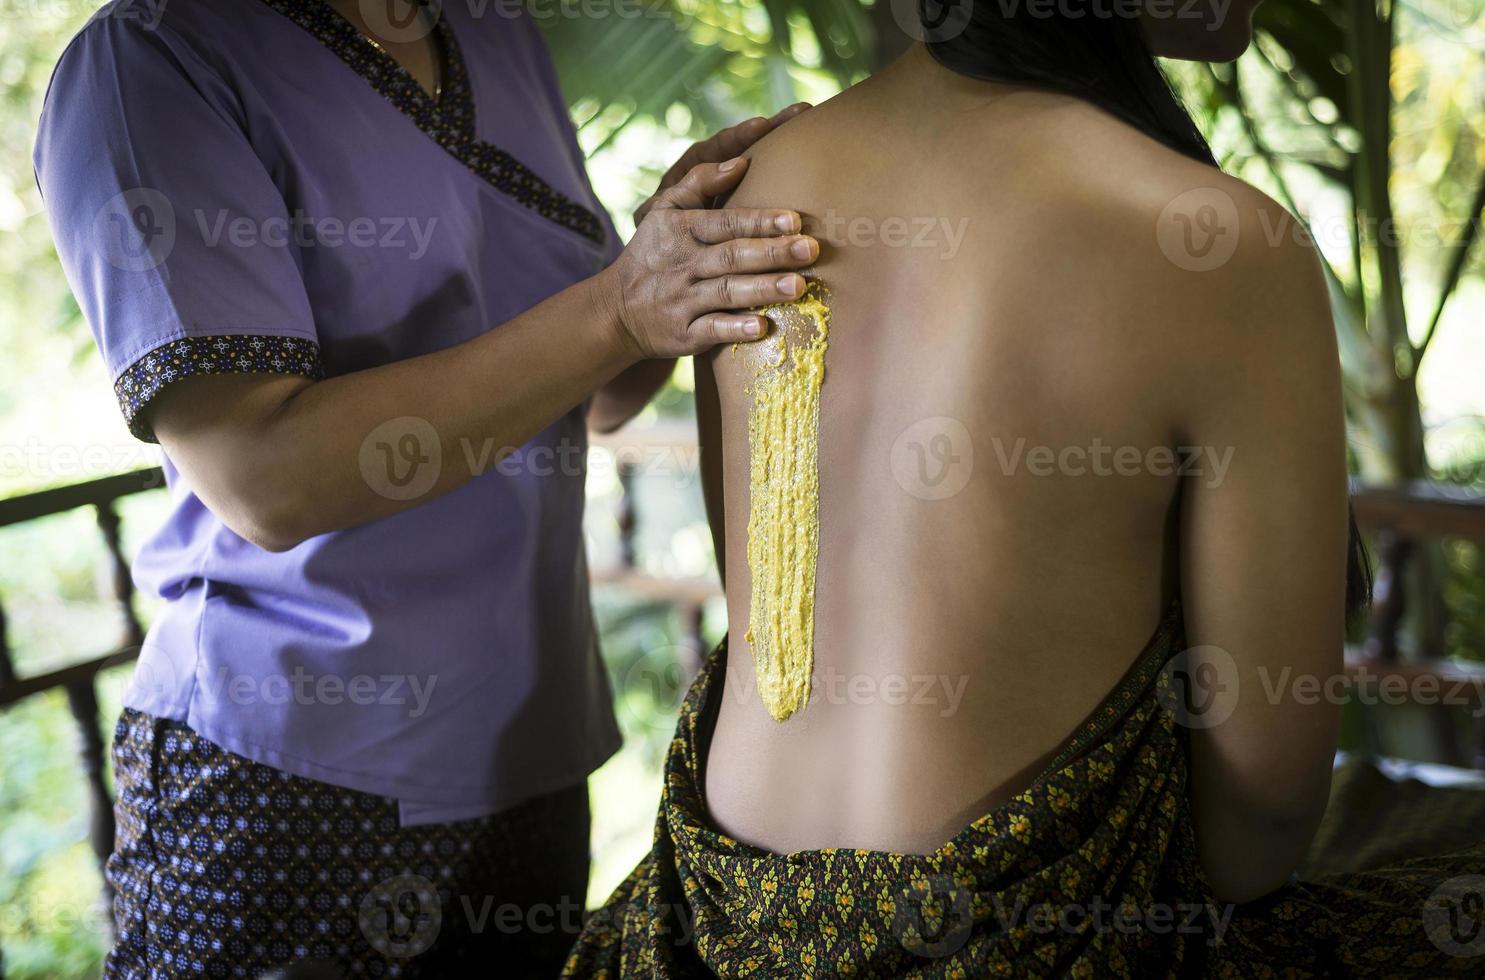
141, 381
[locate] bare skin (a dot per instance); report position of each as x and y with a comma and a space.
960, 641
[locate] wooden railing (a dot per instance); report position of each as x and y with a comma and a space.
1397, 517
79, 679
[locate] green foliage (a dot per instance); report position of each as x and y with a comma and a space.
1367, 121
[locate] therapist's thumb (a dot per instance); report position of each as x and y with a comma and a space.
703, 183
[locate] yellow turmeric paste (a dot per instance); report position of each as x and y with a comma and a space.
787, 368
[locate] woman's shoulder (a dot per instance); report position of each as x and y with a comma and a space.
1185, 245
1072, 205
123, 31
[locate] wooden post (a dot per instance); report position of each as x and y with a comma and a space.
627, 517
695, 617
123, 580
7, 669
1389, 596
82, 699
7, 676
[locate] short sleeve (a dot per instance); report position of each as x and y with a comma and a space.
171, 231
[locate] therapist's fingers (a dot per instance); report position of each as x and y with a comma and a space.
678, 286
740, 292
730, 142
719, 147
725, 328
728, 224
702, 183
747, 255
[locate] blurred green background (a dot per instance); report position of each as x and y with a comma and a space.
1367, 120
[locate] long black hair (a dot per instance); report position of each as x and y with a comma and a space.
1102, 58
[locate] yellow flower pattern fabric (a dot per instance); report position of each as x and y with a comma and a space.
1091, 871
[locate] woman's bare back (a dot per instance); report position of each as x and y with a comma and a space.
998, 462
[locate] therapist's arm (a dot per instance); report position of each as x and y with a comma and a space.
624, 397
283, 459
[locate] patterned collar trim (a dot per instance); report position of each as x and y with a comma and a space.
450, 119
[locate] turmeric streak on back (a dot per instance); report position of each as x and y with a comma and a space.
788, 369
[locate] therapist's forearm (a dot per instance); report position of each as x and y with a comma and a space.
626, 395
281, 460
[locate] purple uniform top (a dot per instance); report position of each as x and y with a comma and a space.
252, 186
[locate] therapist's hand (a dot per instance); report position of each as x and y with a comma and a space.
626, 395
719, 148
674, 286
